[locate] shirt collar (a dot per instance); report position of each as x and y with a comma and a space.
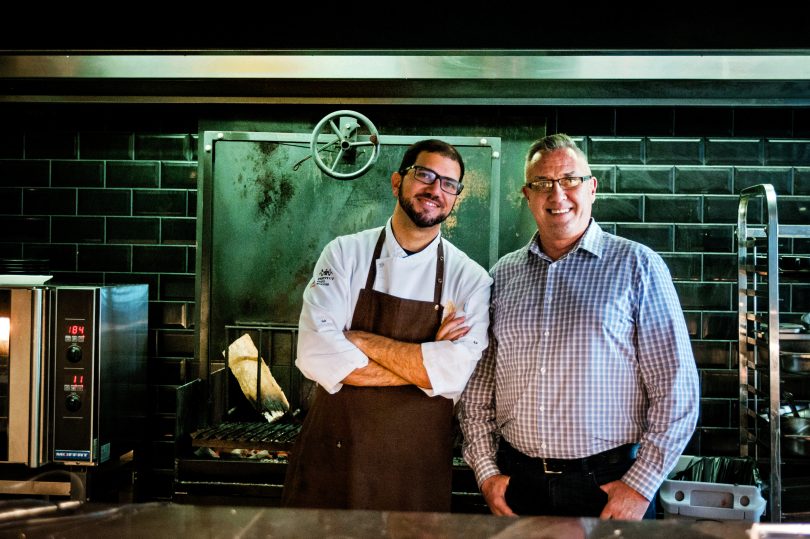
395, 250
592, 241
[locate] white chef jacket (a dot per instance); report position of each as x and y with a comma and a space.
327, 357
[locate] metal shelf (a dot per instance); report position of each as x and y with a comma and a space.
758, 305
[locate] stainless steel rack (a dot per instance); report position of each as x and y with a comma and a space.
759, 335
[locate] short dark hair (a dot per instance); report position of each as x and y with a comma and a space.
558, 141
431, 146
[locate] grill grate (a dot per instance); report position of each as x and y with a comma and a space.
269, 436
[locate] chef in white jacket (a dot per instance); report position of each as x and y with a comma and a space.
393, 324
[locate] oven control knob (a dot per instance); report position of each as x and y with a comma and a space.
74, 353
73, 402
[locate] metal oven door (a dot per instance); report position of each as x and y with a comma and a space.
23, 376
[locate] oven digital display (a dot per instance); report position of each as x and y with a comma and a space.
74, 382
75, 328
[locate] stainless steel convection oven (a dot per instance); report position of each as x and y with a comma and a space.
72, 376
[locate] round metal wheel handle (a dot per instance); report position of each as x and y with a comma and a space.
346, 139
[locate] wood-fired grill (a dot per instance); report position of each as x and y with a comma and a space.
236, 451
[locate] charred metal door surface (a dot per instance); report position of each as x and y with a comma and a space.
267, 212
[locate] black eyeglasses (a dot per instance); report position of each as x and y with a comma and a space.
427, 176
545, 185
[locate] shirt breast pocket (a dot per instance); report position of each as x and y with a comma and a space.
615, 321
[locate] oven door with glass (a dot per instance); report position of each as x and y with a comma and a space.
24, 375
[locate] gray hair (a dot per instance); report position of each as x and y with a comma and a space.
558, 141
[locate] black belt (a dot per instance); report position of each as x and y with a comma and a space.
623, 453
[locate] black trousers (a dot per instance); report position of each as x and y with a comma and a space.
574, 491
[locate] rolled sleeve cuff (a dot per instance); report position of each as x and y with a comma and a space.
330, 370
644, 478
449, 366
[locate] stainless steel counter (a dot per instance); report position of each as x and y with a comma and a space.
172, 520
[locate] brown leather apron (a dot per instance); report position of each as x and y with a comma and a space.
380, 448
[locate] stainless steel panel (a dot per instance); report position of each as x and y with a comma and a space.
391, 65
112, 390
508, 77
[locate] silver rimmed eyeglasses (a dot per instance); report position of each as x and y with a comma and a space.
545, 185
428, 176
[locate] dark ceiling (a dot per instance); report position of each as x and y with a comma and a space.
397, 26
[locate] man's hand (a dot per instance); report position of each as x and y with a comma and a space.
494, 490
624, 502
452, 328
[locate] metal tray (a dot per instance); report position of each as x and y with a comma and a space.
795, 362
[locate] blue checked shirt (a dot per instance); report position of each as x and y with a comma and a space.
587, 353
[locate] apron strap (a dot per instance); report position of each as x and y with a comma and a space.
437, 289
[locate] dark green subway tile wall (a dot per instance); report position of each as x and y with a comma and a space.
734, 151
77, 229
105, 145
132, 174
801, 181
644, 121
618, 208
104, 197
77, 174
51, 145
779, 177
180, 230
10, 201
703, 180
25, 173
133, 230
45, 201
762, 122
615, 150
674, 151
104, 202
787, 152
108, 195
643, 179
702, 122
656, 237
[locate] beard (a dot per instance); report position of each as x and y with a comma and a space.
420, 219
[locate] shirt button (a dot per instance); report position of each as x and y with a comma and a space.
542, 408
543, 445
542, 370
546, 333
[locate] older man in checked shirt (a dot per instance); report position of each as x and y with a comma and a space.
589, 382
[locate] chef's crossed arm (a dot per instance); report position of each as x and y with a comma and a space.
403, 360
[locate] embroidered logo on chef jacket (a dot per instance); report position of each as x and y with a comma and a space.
324, 276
